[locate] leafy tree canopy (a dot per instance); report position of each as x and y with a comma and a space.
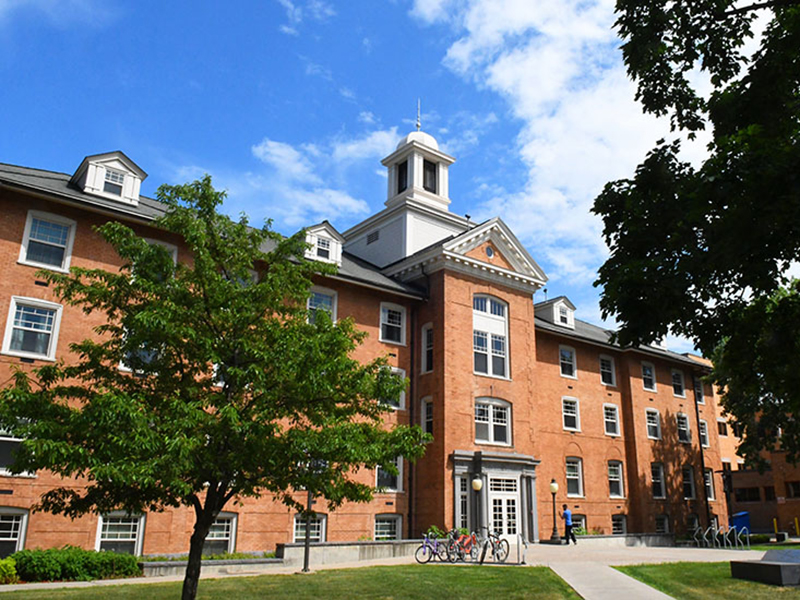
227, 390
704, 251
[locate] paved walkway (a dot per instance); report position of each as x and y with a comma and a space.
585, 567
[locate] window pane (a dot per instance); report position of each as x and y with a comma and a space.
45, 254
567, 362
429, 176
610, 415
479, 303
386, 528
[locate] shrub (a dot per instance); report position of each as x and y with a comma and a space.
71, 563
8, 571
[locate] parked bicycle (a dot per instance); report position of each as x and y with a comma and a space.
499, 546
463, 546
432, 548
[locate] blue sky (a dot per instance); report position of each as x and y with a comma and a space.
291, 104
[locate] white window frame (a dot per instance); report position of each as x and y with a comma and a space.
35, 303
326, 292
653, 371
578, 461
708, 481
688, 469
12, 511
568, 313
702, 432
425, 367
616, 420
493, 327
53, 218
398, 524
683, 417
682, 393
653, 411
116, 514
569, 400
699, 391
401, 399
398, 461
116, 178
610, 359
574, 362
621, 479
424, 420
660, 467
402, 310
491, 403
300, 520
234, 519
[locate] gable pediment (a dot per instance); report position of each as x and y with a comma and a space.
111, 175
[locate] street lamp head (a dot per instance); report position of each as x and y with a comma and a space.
477, 484
553, 487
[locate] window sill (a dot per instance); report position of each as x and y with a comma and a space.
501, 377
488, 443
647, 389
574, 377
614, 435
616, 497
391, 342
575, 496
47, 267
609, 385
655, 439
28, 355
678, 395
572, 430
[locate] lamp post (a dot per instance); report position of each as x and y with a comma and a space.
477, 485
554, 538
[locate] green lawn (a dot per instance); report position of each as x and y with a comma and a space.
396, 583
774, 546
700, 581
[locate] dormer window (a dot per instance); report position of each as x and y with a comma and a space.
564, 315
325, 243
429, 176
113, 182
323, 248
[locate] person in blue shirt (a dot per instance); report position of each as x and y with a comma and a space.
567, 516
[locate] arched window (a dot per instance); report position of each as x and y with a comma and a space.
492, 421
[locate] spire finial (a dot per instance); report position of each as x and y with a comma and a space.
419, 120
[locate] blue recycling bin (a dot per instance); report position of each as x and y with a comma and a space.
741, 520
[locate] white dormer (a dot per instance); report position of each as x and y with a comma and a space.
112, 175
326, 243
418, 170
561, 312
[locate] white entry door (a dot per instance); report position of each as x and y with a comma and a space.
504, 506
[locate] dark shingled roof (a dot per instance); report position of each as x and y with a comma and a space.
58, 185
592, 333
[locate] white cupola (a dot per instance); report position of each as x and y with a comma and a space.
418, 171
111, 175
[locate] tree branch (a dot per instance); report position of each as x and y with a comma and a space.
758, 6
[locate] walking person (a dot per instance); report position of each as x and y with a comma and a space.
568, 533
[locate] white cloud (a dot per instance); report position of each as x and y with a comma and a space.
61, 13
288, 162
375, 144
296, 13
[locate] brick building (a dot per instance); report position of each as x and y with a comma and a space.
515, 393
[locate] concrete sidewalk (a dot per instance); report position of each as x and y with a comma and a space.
585, 568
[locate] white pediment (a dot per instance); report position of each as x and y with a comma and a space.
325, 243
111, 175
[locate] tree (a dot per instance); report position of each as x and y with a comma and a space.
229, 390
704, 251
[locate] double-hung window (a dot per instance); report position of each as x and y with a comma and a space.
47, 241
492, 421
709, 481
722, 428
616, 486
618, 525
566, 359
113, 182
393, 323
32, 328
653, 424
399, 402
316, 528
688, 482
698, 390
684, 435
489, 336
702, 429
321, 299
657, 480
388, 481
662, 524
677, 384
387, 527
120, 532
611, 419
570, 414
607, 371
649, 376
13, 527
429, 176
427, 415
427, 349
323, 247
574, 477
221, 537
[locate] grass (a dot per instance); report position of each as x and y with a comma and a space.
776, 546
404, 582
701, 581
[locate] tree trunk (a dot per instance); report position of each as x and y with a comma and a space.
192, 576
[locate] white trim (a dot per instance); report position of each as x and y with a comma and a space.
234, 519
398, 461
323, 526
688, 469
579, 461
701, 425
403, 324
493, 327
326, 292
655, 379
685, 417
23, 525
569, 313
621, 479
616, 419
171, 248
683, 383
398, 520
613, 370
401, 399
574, 361
5, 472
53, 218
423, 362
36, 303
654, 411
491, 403
138, 542
708, 482
577, 403
662, 475
424, 403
